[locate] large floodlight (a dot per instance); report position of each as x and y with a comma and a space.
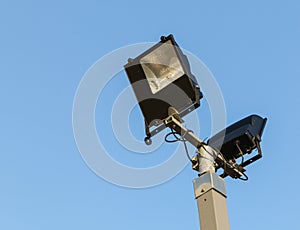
161, 78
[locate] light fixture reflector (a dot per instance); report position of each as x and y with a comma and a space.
161, 67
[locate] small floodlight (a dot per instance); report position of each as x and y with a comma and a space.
161, 78
237, 140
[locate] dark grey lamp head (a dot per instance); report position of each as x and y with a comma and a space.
239, 139
161, 78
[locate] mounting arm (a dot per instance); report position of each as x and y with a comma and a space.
204, 160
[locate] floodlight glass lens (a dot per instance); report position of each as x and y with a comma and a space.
161, 67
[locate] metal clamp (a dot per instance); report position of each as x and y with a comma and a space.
207, 182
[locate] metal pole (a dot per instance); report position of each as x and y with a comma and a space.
210, 193
209, 187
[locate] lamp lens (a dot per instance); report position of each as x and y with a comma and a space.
162, 67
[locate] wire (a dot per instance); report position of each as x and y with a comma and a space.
181, 139
245, 177
170, 141
187, 152
243, 159
205, 139
203, 144
174, 134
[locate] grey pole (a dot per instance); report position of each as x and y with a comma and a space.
209, 187
210, 193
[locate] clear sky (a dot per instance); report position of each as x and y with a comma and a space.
253, 51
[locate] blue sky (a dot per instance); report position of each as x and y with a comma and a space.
252, 48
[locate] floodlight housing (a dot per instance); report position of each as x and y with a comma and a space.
161, 78
240, 138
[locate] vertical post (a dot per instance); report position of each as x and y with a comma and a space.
209, 188
210, 193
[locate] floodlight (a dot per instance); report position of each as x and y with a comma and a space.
166, 91
161, 78
237, 140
